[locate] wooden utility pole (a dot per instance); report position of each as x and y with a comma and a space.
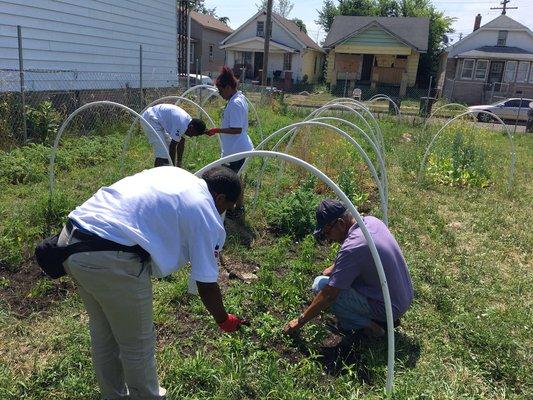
266, 48
504, 7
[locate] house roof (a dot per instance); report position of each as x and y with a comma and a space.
295, 30
209, 22
503, 22
288, 25
498, 52
414, 31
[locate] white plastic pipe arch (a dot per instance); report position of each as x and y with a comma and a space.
382, 196
448, 105
378, 97
375, 256
51, 175
347, 99
215, 91
509, 135
376, 133
382, 168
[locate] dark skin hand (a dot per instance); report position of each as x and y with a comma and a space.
212, 299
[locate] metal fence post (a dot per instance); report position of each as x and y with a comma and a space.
519, 109
141, 75
22, 93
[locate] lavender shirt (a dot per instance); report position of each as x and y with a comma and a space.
355, 268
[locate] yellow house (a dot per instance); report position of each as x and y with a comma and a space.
375, 50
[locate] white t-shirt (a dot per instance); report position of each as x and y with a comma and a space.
168, 211
173, 119
236, 116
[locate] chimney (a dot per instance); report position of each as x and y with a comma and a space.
477, 22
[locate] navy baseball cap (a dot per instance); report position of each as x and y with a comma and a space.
328, 210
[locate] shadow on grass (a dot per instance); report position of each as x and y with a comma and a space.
357, 352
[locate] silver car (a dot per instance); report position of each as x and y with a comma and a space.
508, 109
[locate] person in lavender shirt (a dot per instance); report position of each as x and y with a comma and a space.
351, 287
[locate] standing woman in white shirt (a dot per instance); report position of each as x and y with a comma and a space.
234, 129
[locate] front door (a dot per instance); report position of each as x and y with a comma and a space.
496, 73
366, 70
258, 65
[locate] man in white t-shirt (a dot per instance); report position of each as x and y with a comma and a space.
168, 217
170, 123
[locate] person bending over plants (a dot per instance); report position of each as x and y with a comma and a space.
159, 220
351, 286
170, 123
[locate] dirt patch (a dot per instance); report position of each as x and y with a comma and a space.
28, 289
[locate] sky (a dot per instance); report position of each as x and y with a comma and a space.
239, 11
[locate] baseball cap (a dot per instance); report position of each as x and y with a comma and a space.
328, 210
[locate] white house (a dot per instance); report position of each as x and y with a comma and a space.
292, 53
494, 61
88, 44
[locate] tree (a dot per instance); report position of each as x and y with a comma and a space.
300, 24
224, 20
327, 14
281, 7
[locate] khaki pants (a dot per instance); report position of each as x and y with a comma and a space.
117, 293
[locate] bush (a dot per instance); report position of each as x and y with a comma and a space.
43, 121
464, 165
295, 213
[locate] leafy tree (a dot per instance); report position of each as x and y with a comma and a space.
224, 20
300, 24
281, 7
327, 14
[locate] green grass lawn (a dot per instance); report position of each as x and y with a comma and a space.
467, 335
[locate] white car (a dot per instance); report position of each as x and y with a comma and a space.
508, 109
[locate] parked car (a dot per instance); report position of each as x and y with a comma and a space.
195, 80
507, 109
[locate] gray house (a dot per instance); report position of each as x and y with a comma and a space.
206, 34
495, 61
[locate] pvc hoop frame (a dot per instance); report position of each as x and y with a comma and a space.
353, 210
383, 181
377, 135
448, 105
378, 97
362, 153
509, 135
51, 176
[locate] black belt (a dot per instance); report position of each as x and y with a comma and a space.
96, 243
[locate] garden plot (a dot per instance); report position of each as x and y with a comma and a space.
467, 335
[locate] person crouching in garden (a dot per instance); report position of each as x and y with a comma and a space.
351, 287
234, 128
171, 123
159, 219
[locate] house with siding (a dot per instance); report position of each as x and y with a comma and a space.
293, 55
375, 50
495, 61
207, 33
88, 44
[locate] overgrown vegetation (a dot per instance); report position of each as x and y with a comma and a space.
468, 334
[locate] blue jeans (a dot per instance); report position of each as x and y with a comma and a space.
351, 308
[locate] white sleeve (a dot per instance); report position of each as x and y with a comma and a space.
237, 116
204, 248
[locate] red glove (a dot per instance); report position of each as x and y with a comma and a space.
212, 131
231, 324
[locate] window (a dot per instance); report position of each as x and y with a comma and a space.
400, 57
287, 59
512, 103
510, 70
502, 38
521, 73
531, 74
468, 69
482, 67
260, 28
526, 103
211, 54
